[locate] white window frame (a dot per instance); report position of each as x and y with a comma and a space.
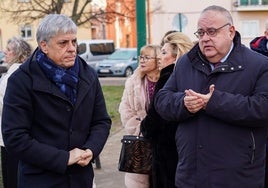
25, 29
24, 1
249, 28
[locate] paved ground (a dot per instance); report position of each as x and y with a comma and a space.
108, 176
115, 81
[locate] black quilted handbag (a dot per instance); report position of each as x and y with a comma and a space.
135, 155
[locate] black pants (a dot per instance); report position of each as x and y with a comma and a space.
9, 169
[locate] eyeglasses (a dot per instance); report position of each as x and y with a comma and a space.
212, 32
146, 58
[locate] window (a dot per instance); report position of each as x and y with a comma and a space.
26, 31
250, 28
23, 1
253, 2
265, 2
102, 48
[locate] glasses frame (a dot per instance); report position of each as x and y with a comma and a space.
211, 32
146, 58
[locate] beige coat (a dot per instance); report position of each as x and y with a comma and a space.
3, 85
132, 110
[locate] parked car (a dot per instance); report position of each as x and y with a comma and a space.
3, 66
2, 55
122, 62
93, 51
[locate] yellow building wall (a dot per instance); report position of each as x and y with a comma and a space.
8, 29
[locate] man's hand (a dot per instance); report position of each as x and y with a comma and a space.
75, 156
86, 158
79, 156
194, 101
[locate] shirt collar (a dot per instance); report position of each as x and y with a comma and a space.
224, 58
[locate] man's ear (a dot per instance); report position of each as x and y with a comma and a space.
232, 32
43, 46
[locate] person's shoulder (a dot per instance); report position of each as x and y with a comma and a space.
249, 53
253, 57
257, 42
14, 67
134, 80
258, 39
86, 69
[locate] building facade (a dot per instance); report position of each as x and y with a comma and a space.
162, 15
27, 30
249, 16
123, 28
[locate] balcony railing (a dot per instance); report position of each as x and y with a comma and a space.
251, 5
252, 2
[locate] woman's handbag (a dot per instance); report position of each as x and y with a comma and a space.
135, 155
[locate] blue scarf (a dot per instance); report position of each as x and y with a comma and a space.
65, 79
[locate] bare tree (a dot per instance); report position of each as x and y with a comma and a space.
80, 11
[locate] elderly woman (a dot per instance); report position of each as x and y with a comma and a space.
17, 51
54, 116
138, 92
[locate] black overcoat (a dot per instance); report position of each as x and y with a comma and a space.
162, 133
40, 126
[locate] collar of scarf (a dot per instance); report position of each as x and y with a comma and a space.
65, 79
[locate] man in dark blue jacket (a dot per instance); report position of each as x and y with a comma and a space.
54, 116
260, 44
218, 94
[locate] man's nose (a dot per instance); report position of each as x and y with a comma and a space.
72, 46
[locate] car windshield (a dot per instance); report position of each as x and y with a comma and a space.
122, 55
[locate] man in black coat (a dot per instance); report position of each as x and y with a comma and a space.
54, 116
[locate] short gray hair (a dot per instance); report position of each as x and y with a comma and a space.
54, 24
221, 10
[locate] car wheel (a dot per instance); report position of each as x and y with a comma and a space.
128, 72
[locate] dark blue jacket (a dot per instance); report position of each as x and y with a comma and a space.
40, 126
224, 145
259, 44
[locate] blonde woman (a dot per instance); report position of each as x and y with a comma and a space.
16, 52
138, 92
162, 132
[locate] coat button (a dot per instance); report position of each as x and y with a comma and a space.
68, 108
